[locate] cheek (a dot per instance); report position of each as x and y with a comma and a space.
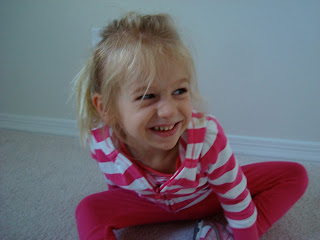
187, 107
188, 111
137, 120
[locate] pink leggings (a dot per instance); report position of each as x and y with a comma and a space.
274, 186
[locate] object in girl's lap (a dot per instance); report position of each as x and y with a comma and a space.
206, 230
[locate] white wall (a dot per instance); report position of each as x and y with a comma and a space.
258, 61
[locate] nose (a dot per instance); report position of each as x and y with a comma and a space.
167, 108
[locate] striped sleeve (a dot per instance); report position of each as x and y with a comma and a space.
117, 169
227, 179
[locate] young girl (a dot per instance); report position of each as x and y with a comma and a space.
162, 159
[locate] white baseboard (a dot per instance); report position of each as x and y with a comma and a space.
39, 124
267, 148
271, 148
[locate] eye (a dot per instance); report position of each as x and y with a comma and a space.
146, 97
180, 91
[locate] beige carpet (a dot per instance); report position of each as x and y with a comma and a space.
42, 179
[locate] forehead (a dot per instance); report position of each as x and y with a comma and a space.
171, 68
168, 70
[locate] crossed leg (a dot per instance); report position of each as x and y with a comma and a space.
274, 186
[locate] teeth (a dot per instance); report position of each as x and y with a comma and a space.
163, 128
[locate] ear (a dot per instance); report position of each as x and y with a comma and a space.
98, 104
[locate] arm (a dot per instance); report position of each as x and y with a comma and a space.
229, 183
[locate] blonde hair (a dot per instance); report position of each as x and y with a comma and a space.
130, 50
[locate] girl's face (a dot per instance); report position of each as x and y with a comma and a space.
154, 120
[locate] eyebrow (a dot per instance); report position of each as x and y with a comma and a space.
182, 80
143, 89
140, 90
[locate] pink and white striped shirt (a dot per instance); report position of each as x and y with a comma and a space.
207, 165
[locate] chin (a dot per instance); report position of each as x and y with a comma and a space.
168, 146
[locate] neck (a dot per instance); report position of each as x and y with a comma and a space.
160, 160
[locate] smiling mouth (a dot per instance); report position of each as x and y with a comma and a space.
164, 129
